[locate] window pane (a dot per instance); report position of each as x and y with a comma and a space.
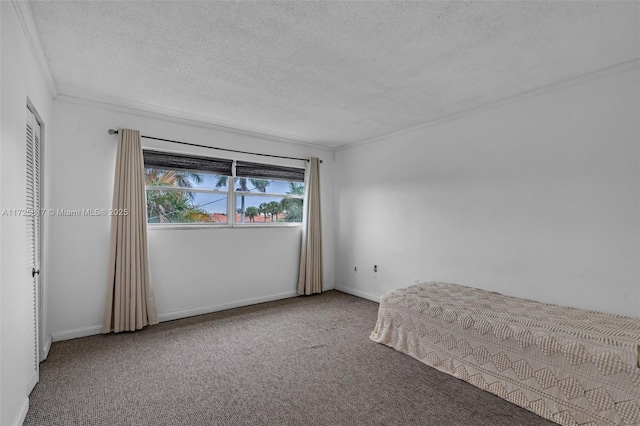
185, 179
260, 209
269, 186
186, 207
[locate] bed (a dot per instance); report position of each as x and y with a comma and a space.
567, 365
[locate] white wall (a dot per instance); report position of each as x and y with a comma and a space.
193, 271
20, 78
1, 224
536, 198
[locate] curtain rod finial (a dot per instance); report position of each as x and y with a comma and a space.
113, 132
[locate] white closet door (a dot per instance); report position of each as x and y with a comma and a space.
33, 219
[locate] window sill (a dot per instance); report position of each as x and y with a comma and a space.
187, 226
266, 225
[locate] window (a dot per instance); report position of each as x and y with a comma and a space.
185, 189
268, 194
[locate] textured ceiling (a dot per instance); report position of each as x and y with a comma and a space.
327, 72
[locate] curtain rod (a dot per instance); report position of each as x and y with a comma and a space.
115, 132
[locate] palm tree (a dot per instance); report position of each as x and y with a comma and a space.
160, 177
252, 212
293, 206
258, 184
173, 206
275, 208
264, 209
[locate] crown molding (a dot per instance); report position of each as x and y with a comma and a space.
166, 114
570, 82
29, 27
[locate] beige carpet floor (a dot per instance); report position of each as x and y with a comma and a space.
299, 361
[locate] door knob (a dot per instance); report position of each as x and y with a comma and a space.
34, 272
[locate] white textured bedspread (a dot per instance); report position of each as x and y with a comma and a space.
567, 365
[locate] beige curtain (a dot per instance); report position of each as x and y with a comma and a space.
130, 302
310, 276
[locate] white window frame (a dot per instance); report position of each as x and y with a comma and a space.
232, 196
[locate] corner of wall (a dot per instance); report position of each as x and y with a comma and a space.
45, 347
23, 11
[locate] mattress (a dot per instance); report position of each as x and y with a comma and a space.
568, 365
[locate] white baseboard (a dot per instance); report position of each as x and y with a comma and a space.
44, 350
359, 293
22, 414
74, 334
185, 313
169, 316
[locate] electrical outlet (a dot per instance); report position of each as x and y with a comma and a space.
375, 268
355, 269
